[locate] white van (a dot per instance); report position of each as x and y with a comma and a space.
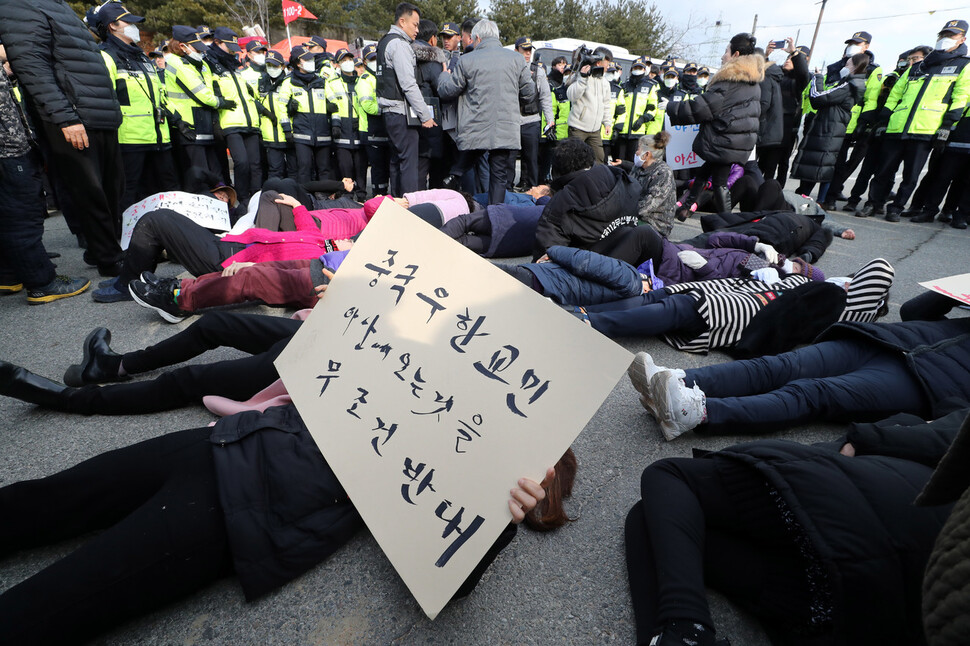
550, 49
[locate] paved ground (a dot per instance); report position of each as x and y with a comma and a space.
567, 587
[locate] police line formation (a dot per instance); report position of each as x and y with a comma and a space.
823, 543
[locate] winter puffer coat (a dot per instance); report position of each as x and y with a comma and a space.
790, 233
772, 130
936, 352
816, 157
728, 112
724, 253
58, 64
581, 277
588, 206
869, 539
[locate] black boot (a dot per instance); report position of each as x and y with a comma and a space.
924, 216
452, 183
100, 364
722, 199
959, 220
24, 385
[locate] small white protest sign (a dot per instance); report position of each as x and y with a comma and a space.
957, 287
204, 210
679, 154
432, 381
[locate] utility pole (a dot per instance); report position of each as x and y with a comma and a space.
754, 25
817, 25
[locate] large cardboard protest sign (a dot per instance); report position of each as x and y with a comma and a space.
957, 287
202, 209
432, 381
679, 154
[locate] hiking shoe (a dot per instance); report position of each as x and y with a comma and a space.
168, 284
679, 408
641, 371
157, 298
10, 287
60, 287
110, 294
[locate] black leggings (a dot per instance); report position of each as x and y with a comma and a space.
687, 531
262, 336
163, 538
246, 164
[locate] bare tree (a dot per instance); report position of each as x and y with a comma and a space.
250, 12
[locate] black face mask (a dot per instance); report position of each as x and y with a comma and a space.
320, 59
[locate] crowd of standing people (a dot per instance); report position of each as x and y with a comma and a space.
822, 543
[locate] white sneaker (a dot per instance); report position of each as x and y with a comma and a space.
641, 372
678, 408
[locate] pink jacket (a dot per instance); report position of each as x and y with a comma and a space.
308, 241
450, 203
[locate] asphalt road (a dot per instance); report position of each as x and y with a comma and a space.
565, 587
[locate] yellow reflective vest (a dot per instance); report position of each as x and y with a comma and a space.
929, 98
345, 119
188, 85
141, 94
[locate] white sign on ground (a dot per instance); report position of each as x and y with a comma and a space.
432, 381
957, 287
202, 209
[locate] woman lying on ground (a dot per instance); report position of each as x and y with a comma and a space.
853, 371
752, 316
252, 496
822, 546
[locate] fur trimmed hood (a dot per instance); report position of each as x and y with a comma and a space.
743, 69
425, 53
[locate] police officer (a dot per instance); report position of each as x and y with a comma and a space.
239, 123
560, 115
688, 81
144, 133
703, 78
640, 94
862, 115
317, 45
669, 88
275, 128
341, 93
533, 114
613, 75
310, 118
925, 103
189, 87
256, 54
449, 38
372, 128
877, 134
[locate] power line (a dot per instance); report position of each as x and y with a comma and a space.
867, 19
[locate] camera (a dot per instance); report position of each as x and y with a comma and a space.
584, 56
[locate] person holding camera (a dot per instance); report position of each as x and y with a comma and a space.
591, 102
489, 76
729, 115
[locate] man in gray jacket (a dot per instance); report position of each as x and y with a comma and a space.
488, 83
398, 94
591, 104
532, 114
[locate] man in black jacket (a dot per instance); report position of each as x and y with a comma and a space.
70, 97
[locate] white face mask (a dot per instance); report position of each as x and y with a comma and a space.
945, 44
308, 66
703, 80
259, 59
844, 72
372, 66
852, 50
131, 31
669, 83
274, 71
638, 72
638, 160
347, 67
195, 55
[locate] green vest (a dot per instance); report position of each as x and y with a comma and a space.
142, 96
617, 99
276, 102
870, 97
637, 103
345, 118
366, 100
190, 95
231, 86
560, 112
806, 101
251, 77
923, 105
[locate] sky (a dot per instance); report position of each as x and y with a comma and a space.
897, 25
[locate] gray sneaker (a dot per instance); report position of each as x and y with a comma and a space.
60, 287
678, 408
641, 372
